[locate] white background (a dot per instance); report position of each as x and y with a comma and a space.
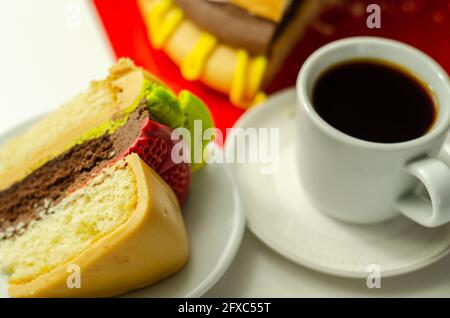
49, 52
46, 56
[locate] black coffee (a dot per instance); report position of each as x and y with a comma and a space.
374, 101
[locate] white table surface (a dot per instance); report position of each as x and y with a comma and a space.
50, 49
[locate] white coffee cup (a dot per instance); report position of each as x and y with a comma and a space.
366, 182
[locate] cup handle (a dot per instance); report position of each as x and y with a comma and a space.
434, 174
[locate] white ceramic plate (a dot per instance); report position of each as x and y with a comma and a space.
215, 224
278, 212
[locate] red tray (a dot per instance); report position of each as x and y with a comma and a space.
424, 24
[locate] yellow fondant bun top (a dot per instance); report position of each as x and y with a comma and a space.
269, 9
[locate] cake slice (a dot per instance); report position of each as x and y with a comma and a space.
106, 200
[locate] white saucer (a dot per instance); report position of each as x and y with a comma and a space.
215, 224
279, 213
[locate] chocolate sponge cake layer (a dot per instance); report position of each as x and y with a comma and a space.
30, 199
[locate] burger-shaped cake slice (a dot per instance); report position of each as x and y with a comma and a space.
233, 46
96, 189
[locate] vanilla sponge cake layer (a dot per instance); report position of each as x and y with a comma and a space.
77, 221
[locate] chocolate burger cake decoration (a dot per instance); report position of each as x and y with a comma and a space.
94, 184
233, 46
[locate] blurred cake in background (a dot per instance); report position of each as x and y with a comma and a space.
232, 46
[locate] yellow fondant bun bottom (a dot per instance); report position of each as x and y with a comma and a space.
147, 246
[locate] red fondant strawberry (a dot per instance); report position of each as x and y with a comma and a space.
154, 146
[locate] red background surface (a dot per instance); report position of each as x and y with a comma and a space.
424, 24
